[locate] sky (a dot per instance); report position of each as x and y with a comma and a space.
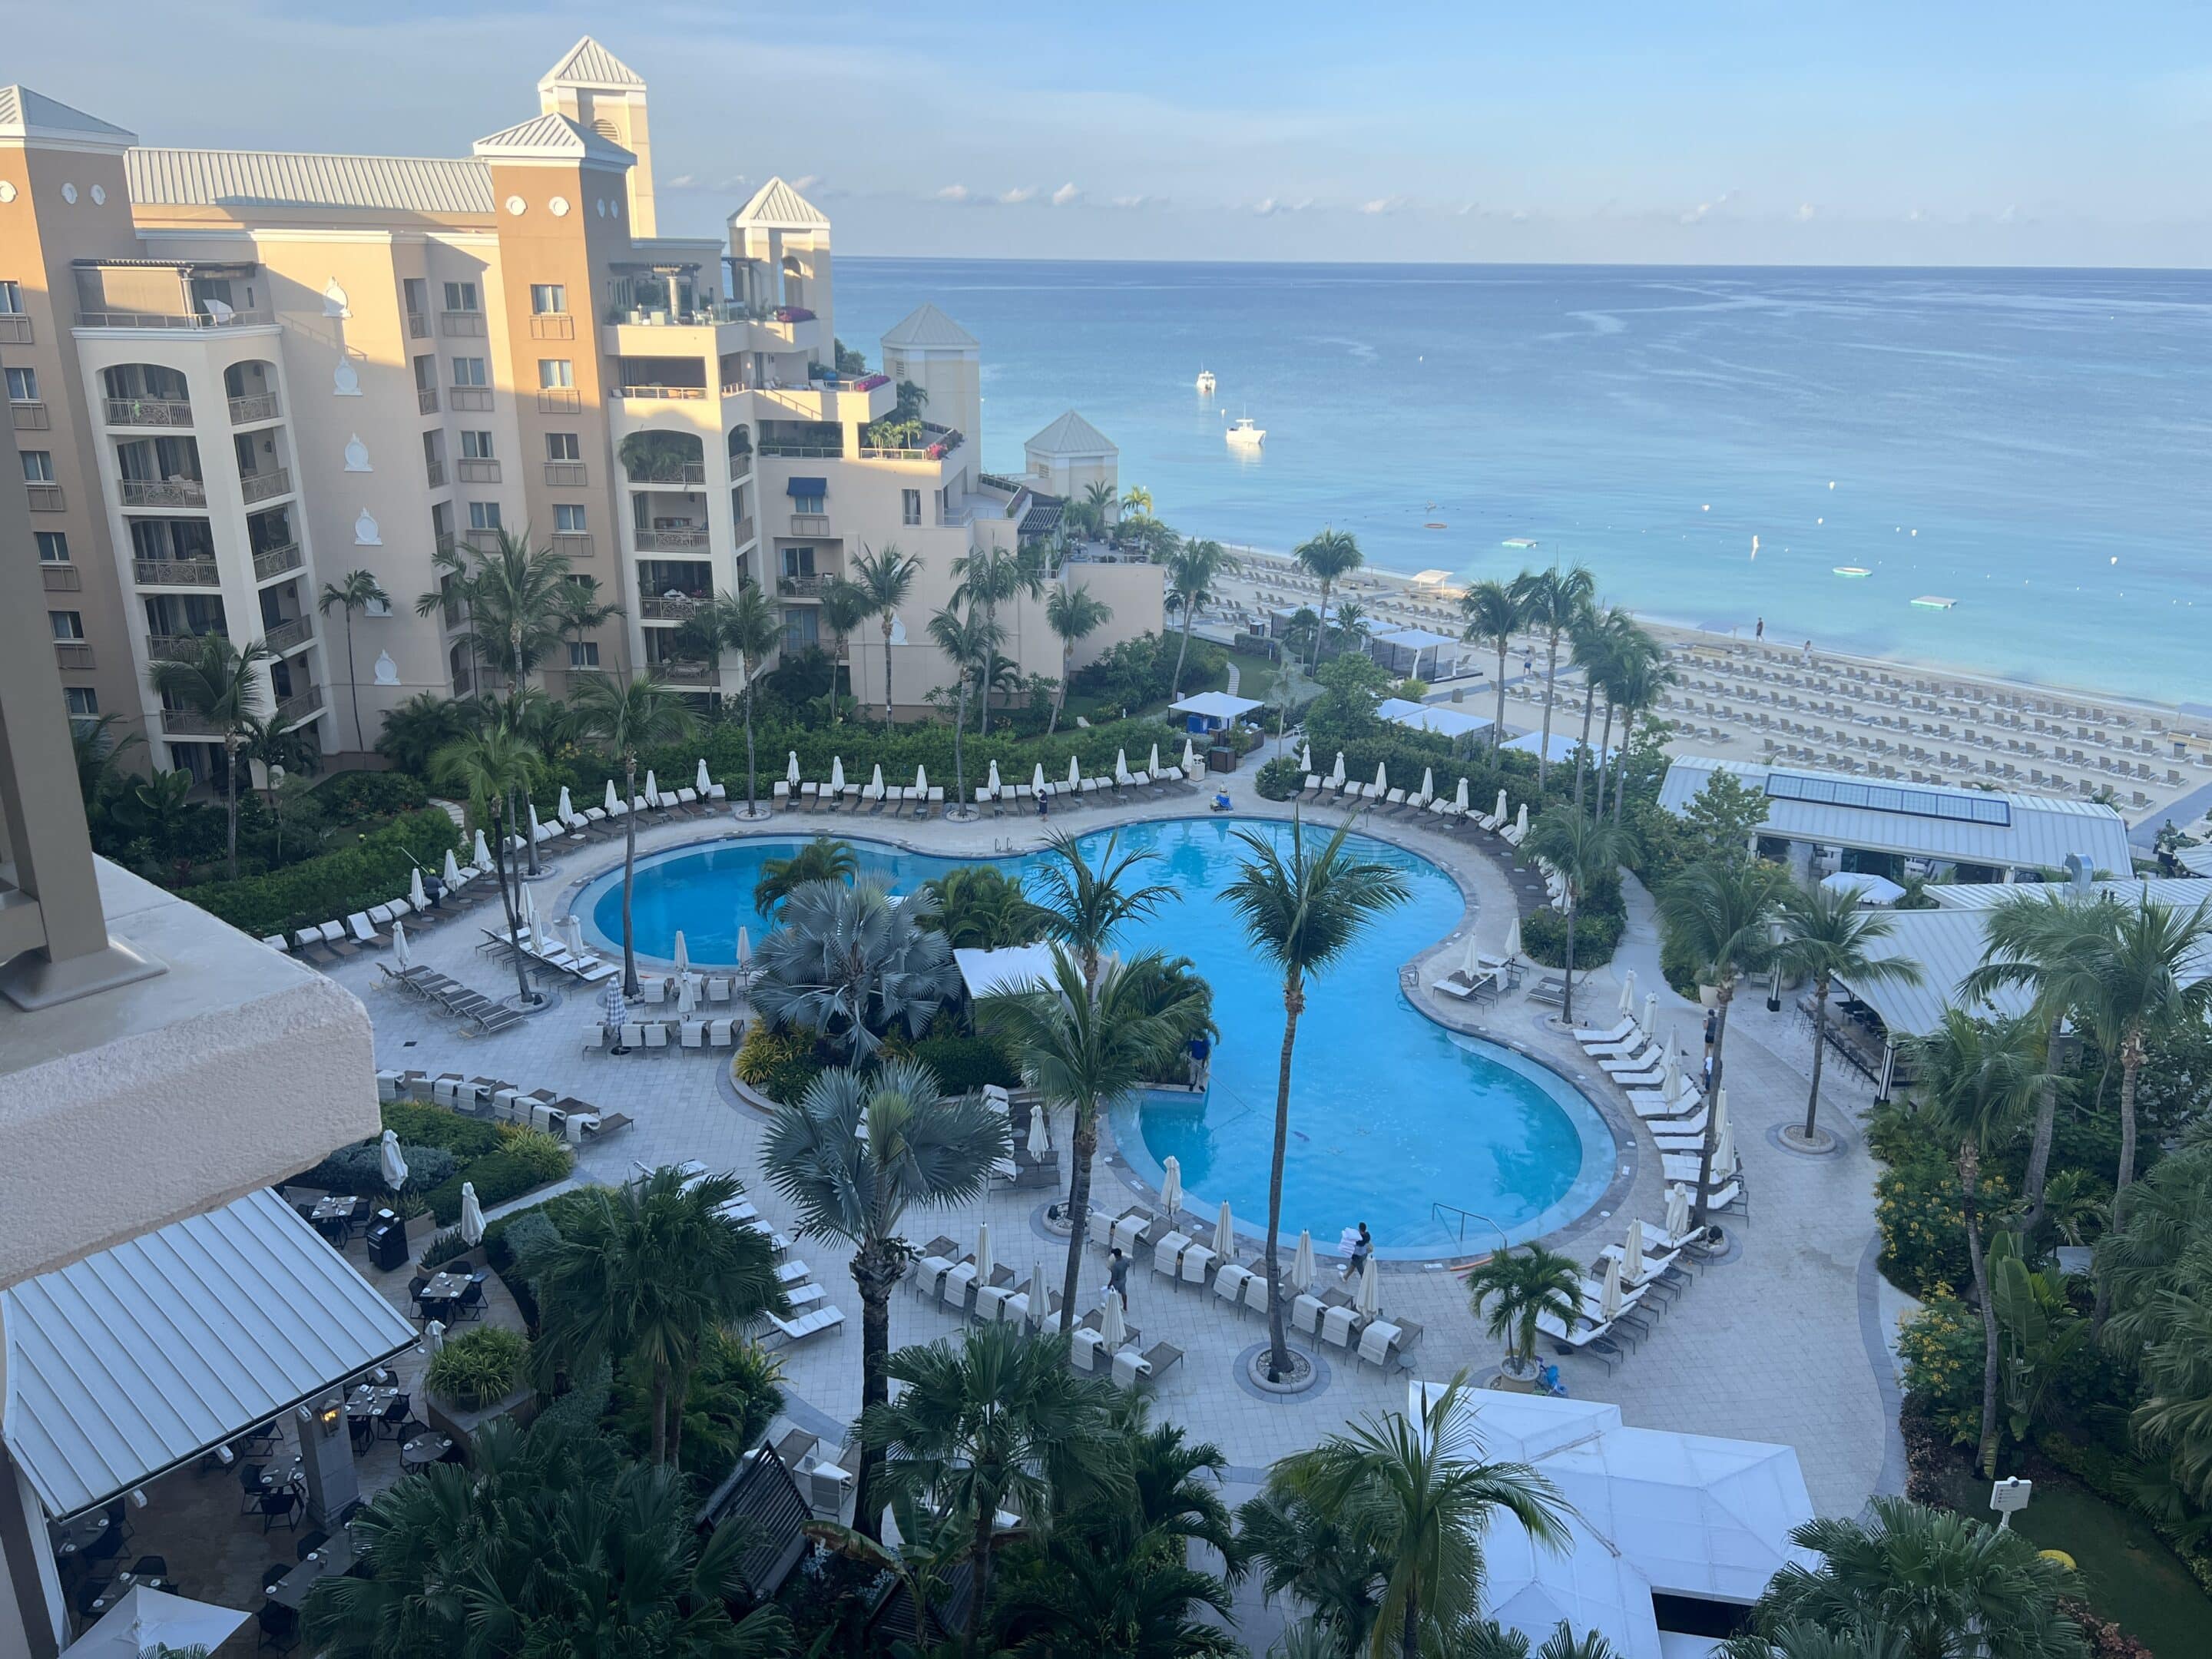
1876, 133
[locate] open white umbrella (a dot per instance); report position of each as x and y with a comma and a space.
481, 852
395, 1166
1305, 758
700, 781
983, 1262
1381, 779
1428, 785
453, 871
401, 955
1040, 1140
993, 783
790, 770
1336, 772
1368, 1302
1608, 1292
1074, 771
876, 782
837, 774
1040, 1290
1678, 1210
415, 896
145, 1620
1154, 769
1520, 821
572, 934
613, 801
1500, 813
1036, 779
745, 947
683, 956
652, 788
1459, 796
1513, 937
1189, 758
471, 1216
1628, 994
564, 809
921, 783
1113, 1329
1302, 1264
1225, 1236
1632, 1248
1171, 1185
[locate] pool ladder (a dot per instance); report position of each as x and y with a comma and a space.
1436, 1213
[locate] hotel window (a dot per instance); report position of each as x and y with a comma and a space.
567, 519
910, 506
426, 372
807, 503
38, 466
555, 372
53, 547
563, 447
416, 292
548, 298
476, 447
469, 371
798, 561
583, 653
461, 296
82, 701
66, 624
22, 385
801, 627
484, 515
11, 298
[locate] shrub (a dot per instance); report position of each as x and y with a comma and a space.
373, 871
418, 1122
1941, 1348
966, 1063
350, 797
444, 1246
477, 1368
1280, 778
360, 1169
1921, 1210
530, 1158
1597, 935
779, 1064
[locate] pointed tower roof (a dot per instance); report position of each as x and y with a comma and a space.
587, 64
926, 326
552, 139
777, 206
27, 114
1071, 434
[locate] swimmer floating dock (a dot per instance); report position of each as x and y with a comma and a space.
1934, 602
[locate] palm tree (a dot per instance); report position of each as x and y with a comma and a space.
745, 625
1328, 557
1314, 1556
969, 641
848, 965
821, 859
854, 1156
1301, 910
627, 715
224, 685
1827, 936
983, 908
1193, 570
988, 577
1977, 1080
1555, 600
1495, 612
1074, 614
1797, 1639
488, 767
419, 728
1085, 906
1133, 1606
845, 606
1583, 852
1098, 506
1633, 690
979, 1427
1137, 499
885, 579
1351, 624
97, 749
1603, 642
1086, 1044
1520, 1289
579, 609
356, 591
1938, 1583
1420, 1492
645, 1272
517, 604
1720, 915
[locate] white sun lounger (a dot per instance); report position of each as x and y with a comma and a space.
1652, 1103
811, 1323
1631, 1066
1683, 1167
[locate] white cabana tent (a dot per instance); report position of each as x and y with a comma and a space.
1428, 717
145, 1621
1211, 710
1415, 651
1870, 887
1564, 744
1013, 969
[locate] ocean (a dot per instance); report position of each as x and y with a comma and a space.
2034, 445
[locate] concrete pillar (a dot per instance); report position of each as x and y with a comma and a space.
1801, 861
326, 1459
33, 1621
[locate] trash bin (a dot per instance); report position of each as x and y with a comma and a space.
387, 1244
1223, 759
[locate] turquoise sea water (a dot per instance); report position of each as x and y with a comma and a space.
1390, 1114
2033, 444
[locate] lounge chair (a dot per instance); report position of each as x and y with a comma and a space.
1161, 1358
1306, 1310
1167, 1255
333, 934
1230, 1282
1196, 1265
1620, 1066
811, 1323
1590, 1038
1590, 1338
1383, 1343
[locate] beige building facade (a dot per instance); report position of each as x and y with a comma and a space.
236, 377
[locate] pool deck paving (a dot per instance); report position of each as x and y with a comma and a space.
1780, 1341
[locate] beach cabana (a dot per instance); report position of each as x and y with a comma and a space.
1429, 717
1207, 712
1415, 651
1016, 968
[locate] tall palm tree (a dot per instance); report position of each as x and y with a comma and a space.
969, 641
1827, 936
1314, 1556
986, 578
1978, 1081
1421, 1492
1086, 1045
745, 625
1328, 557
845, 606
578, 610
488, 767
1137, 499
1193, 568
854, 1156
1603, 644
1085, 906
628, 715
224, 685
885, 578
850, 966
1495, 612
1099, 507
1519, 1289
1556, 600
356, 591
1634, 691
1301, 910
1722, 916
982, 1425
645, 1272
821, 859
517, 602
1074, 614
1583, 851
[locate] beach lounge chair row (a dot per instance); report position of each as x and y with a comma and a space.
564, 1116
899, 801
664, 807
551, 953
453, 997
811, 1313
369, 929
716, 1031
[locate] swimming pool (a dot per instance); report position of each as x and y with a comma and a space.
1391, 1115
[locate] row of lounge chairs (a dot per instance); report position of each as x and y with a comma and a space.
1647, 1287
1018, 1168
595, 823
369, 929
720, 1031
900, 800
453, 997
941, 1275
577, 1122
1018, 797
1678, 1121
1446, 811
550, 953
811, 1313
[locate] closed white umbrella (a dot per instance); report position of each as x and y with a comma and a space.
1189, 758
1471, 965
1521, 820
534, 826
1632, 1248
1336, 772
1036, 779
531, 919
652, 788
1725, 1153
1040, 1293
1381, 779
1154, 769
1650, 1014
471, 1216
700, 781
1368, 1302
144, 1621
612, 801
876, 782
993, 783
1074, 770
745, 947
682, 955
1428, 785
1673, 1085
453, 871
1720, 1110
415, 896
564, 809
1513, 937
1459, 796
1171, 1185
1120, 765
572, 933
1302, 1264
790, 770
1305, 758
1040, 1140
1113, 1329
983, 1262
1628, 994
687, 999
613, 1009
1678, 1210
1500, 813
481, 852
395, 1166
837, 773
1224, 1235
921, 782
434, 1335
400, 954
1608, 1292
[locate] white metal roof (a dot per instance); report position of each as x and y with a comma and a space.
777, 206
2184, 891
588, 63
27, 114
1428, 717
553, 136
1015, 967
2043, 830
1213, 705
291, 179
129, 1362
1412, 638
1564, 744
925, 327
1869, 888
1071, 434
2197, 860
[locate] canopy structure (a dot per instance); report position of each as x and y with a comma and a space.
256, 1315
1564, 744
1870, 887
1013, 969
1427, 717
1413, 651
1213, 708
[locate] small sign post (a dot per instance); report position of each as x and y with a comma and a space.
2008, 1498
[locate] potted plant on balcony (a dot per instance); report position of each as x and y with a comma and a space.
658, 457
1520, 1288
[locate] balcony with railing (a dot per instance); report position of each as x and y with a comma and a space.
288, 635
433, 473
937, 442
741, 532
461, 325
477, 472
810, 523
418, 326
267, 484
189, 723
30, 415
666, 474
556, 400
14, 329
61, 578
174, 648
682, 671
72, 653
148, 411
568, 475
673, 537
47, 498
801, 587
425, 400
274, 561
573, 544
256, 406
197, 319
176, 572
474, 399
300, 705
164, 492
670, 607
552, 326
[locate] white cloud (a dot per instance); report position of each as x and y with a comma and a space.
1383, 204
1804, 212
682, 181
1704, 210
953, 193
1136, 201
1268, 206
1065, 194
1019, 195
807, 181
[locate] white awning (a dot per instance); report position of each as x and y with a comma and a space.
1870, 887
1412, 639
1014, 968
134, 1360
1564, 746
1427, 717
1213, 705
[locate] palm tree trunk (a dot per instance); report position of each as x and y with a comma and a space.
353, 678
1409, 1633
1582, 754
990, 669
230, 756
629, 873
887, 668
1551, 693
1059, 693
1819, 1049
2131, 1060
680, 1394
1970, 1170
752, 788
1279, 1349
959, 762
1175, 686
660, 1412
1567, 996
1712, 1091
1498, 724
1604, 745
508, 901
1081, 1145
1620, 766
986, 1518
1321, 633
875, 1270
2039, 1145
841, 657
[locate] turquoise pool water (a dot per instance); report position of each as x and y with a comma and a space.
1391, 1115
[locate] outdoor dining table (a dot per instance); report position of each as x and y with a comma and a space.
443, 1288
368, 1400
424, 1450
334, 1556
80, 1533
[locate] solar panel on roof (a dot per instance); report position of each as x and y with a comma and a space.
1890, 798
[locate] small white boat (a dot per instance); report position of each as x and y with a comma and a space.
1205, 383
1853, 572
1245, 433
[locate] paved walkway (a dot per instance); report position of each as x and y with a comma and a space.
1773, 1344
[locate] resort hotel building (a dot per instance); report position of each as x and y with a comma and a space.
235, 376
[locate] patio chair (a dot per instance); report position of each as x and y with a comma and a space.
1230, 1282
1161, 1358
1197, 1264
656, 1034
811, 1323
279, 1626
280, 1507
1167, 1255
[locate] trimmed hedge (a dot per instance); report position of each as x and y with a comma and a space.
1597, 936
477, 1368
963, 1064
360, 1169
374, 871
350, 796
424, 1124
530, 1158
